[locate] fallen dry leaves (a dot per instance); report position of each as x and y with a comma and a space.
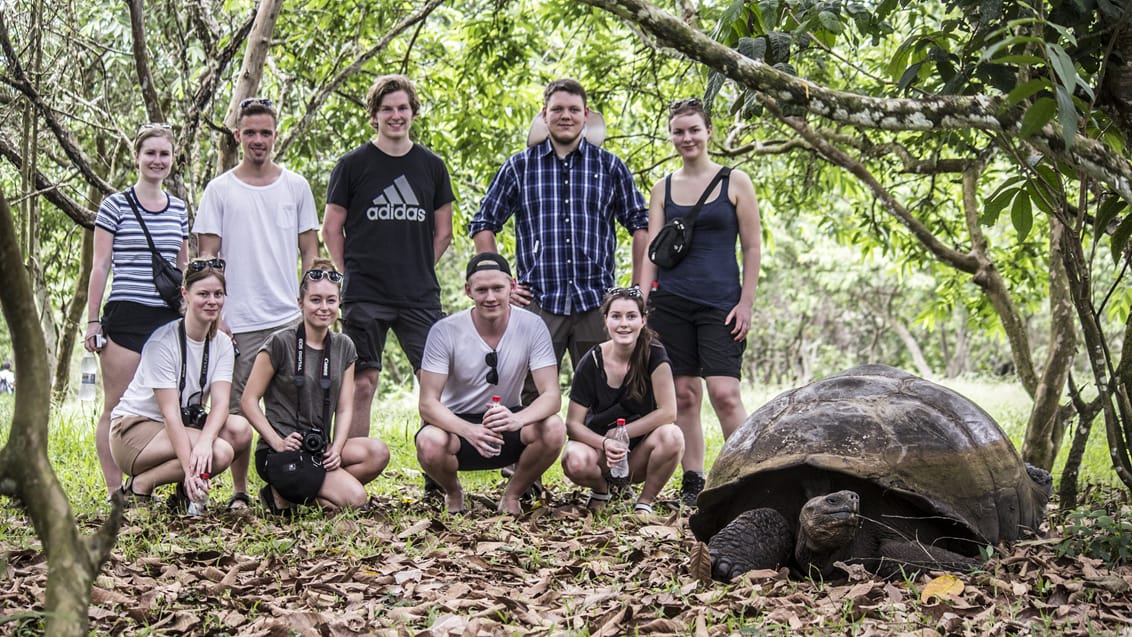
405, 569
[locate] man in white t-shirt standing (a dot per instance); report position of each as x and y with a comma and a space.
259, 217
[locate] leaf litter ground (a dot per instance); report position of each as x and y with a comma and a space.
404, 568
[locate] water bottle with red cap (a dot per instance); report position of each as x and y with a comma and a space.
495, 402
200, 505
620, 471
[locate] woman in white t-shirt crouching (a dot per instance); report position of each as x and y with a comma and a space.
160, 432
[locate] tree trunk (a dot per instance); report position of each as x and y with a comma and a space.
1086, 414
247, 82
1046, 427
73, 324
1114, 409
73, 561
913, 347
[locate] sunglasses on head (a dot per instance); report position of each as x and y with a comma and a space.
491, 359
196, 265
633, 292
690, 102
318, 275
152, 125
256, 101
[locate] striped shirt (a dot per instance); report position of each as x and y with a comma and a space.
131, 258
565, 238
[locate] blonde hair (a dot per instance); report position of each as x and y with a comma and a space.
317, 264
149, 132
192, 278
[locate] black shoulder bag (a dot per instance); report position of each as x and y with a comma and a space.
166, 278
672, 243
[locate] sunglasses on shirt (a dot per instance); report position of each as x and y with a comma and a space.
491, 359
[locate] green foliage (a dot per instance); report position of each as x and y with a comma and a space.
1098, 534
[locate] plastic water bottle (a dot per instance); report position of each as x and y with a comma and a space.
495, 402
89, 369
199, 506
620, 471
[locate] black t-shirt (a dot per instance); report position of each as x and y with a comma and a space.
389, 228
606, 404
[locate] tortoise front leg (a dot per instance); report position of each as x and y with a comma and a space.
756, 539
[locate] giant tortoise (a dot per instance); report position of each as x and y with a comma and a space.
871, 466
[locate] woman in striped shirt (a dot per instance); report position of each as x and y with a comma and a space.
134, 309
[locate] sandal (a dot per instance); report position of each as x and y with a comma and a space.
267, 499
238, 502
132, 499
597, 500
534, 493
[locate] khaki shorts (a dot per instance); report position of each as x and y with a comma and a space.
249, 344
129, 435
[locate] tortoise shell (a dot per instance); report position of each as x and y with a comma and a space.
921, 453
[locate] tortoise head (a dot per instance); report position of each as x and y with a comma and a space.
829, 521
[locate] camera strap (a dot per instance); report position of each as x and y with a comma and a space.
323, 378
184, 364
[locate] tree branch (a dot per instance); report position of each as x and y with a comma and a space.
954, 258
928, 113
141, 61
18, 80
319, 98
209, 82
47, 188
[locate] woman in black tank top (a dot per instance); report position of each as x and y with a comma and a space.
701, 307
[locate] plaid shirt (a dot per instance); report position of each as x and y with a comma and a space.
564, 210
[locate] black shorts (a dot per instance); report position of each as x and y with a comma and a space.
130, 324
368, 323
468, 458
697, 340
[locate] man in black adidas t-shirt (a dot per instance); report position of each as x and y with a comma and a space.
388, 220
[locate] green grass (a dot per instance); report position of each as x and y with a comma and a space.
71, 444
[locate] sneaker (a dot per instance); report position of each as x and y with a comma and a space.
690, 488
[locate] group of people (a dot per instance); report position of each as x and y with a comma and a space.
254, 342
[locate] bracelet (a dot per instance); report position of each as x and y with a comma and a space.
94, 321
603, 441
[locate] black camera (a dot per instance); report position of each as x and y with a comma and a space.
194, 416
314, 442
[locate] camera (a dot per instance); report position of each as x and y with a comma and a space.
194, 416
314, 442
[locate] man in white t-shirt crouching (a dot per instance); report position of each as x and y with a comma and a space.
472, 376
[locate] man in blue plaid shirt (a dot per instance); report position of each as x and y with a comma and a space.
565, 194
